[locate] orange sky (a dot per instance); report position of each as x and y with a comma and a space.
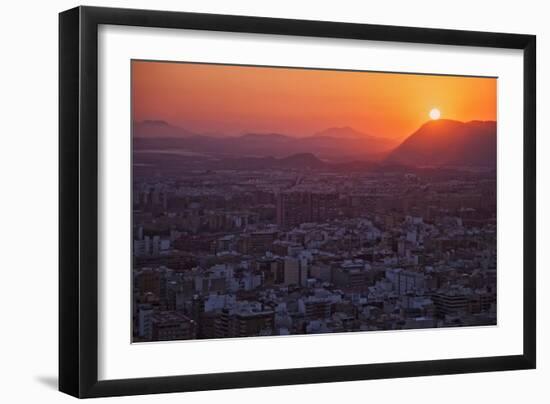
300, 102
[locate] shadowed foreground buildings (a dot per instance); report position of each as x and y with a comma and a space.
277, 251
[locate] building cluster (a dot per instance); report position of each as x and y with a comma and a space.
232, 253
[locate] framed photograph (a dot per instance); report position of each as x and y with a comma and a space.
251, 201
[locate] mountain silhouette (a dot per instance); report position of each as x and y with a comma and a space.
155, 135
447, 142
302, 160
159, 129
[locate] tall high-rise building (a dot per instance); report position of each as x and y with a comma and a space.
295, 271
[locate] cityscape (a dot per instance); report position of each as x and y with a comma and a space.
256, 232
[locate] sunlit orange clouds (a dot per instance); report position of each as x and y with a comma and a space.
225, 99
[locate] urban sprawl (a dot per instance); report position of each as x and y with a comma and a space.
221, 253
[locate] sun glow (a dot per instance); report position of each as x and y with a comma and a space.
301, 102
435, 114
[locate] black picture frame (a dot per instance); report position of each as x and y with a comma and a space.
78, 201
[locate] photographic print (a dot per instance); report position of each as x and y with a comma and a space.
272, 201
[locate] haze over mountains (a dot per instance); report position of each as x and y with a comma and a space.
343, 132
439, 143
332, 143
153, 128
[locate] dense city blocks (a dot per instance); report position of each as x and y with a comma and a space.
235, 253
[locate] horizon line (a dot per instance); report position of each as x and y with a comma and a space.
222, 134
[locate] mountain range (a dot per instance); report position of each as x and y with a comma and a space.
333, 143
438, 143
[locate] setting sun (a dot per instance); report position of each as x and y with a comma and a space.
302, 102
435, 114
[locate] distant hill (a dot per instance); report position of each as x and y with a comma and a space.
159, 129
446, 142
302, 160
169, 162
158, 135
